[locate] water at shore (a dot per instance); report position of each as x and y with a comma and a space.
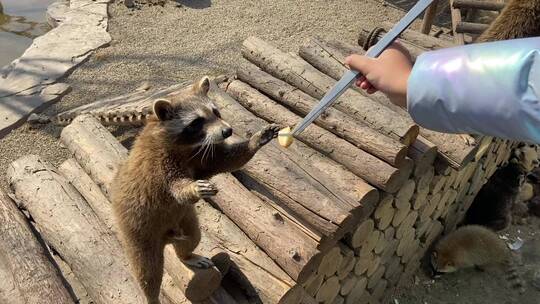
20, 22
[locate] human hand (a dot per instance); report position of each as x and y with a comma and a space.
387, 73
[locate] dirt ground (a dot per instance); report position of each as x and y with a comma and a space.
188, 39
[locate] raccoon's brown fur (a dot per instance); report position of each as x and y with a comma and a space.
167, 171
473, 246
519, 19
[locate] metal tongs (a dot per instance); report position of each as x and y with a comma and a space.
350, 76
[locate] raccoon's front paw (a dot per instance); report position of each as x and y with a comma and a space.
205, 188
268, 133
198, 262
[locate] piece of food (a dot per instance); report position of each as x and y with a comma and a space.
285, 137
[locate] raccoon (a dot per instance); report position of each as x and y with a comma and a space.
494, 204
519, 19
167, 171
474, 246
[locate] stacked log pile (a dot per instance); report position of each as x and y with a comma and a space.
344, 215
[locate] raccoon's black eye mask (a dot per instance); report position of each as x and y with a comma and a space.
194, 126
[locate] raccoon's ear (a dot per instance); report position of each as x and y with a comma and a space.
163, 109
202, 87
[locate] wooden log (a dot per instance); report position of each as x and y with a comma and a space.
302, 75
429, 17
368, 38
376, 276
347, 263
471, 28
373, 265
357, 238
358, 290
328, 291
10, 293
252, 267
400, 215
479, 4
384, 213
347, 284
404, 195
335, 121
62, 214
281, 239
100, 162
330, 262
372, 240
407, 223
339, 300
313, 285
329, 57
422, 40
365, 165
363, 262
91, 192
34, 276
455, 14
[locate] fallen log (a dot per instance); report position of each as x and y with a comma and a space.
368, 167
61, 214
219, 235
471, 28
425, 41
91, 192
479, 4
10, 293
454, 149
282, 240
36, 279
288, 182
302, 75
339, 123
104, 151
251, 266
367, 38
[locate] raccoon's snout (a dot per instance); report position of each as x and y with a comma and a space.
226, 132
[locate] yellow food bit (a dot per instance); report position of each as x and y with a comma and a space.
285, 137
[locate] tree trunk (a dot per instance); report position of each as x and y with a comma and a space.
35, 277
71, 227
368, 167
337, 122
302, 75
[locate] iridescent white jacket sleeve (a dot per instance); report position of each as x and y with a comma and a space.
489, 89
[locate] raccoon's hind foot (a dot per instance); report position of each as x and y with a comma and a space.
205, 188
198, 261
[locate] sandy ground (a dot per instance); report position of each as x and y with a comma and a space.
189, 39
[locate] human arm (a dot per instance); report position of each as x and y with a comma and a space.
489, 89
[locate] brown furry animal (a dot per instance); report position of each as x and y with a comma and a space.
519, 19
473, 246
167, 171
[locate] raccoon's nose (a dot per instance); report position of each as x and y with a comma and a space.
226, 132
